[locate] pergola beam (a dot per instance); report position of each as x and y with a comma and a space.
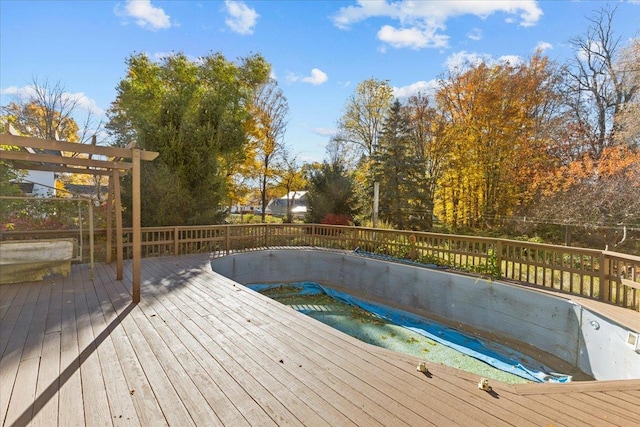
72, 147
63, 169
52, 159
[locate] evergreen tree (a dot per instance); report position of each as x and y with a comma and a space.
394, 167
331, 195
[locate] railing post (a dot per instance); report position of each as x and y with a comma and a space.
227, 239
498, 250
355, 237
605, 274
176, 243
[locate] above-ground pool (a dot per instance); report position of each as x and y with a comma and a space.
551, 329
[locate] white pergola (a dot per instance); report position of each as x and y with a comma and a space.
110, 162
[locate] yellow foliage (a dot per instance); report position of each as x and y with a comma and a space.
492, 128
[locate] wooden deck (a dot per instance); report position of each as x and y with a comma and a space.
201, 350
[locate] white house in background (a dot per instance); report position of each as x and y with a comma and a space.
35, 182
39, 183
297, 202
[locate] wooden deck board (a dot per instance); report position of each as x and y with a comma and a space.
7, 295
346, 381
144, 400
13, 337
48, 377
351, 378
70, 384
201, 350
91, 374
524, 412
314, 393
120, 404
27, 376
243, 366
271, 409
633, 398
393, 388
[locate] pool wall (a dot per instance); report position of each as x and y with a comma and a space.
558, 326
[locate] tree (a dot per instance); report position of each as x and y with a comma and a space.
7, 177
362, 121
496, 117
338, 151
331, 195
599, 194
269, 109
194, 113
290, 179
431, 153
359, 129
628, 131
49, 112
599, 85
394, 168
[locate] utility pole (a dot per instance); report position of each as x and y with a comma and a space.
376, 196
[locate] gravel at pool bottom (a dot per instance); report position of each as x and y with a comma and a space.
375, 330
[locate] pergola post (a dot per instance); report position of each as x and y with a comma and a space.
118, 208
109, 220
137, 232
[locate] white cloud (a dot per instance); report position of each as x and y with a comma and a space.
146, 15
83, 102
414, 38
325, 131
20, 93
463, 59
512, 60
316, 78
542, 46
475, 34
241, 17
583, 52
422, 22
365, 9
426, 88
161, 56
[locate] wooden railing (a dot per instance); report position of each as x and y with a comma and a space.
607, 276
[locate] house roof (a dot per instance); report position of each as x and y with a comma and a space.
294, 195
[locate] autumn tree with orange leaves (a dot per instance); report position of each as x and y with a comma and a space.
599, 196
498, 121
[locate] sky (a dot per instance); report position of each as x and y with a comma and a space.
319, 50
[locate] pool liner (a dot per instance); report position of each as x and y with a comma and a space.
494, 354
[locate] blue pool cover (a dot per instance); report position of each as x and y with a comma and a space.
494, 354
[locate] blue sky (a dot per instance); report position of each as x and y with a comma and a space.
319, 50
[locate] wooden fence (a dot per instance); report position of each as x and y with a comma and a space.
607, 276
